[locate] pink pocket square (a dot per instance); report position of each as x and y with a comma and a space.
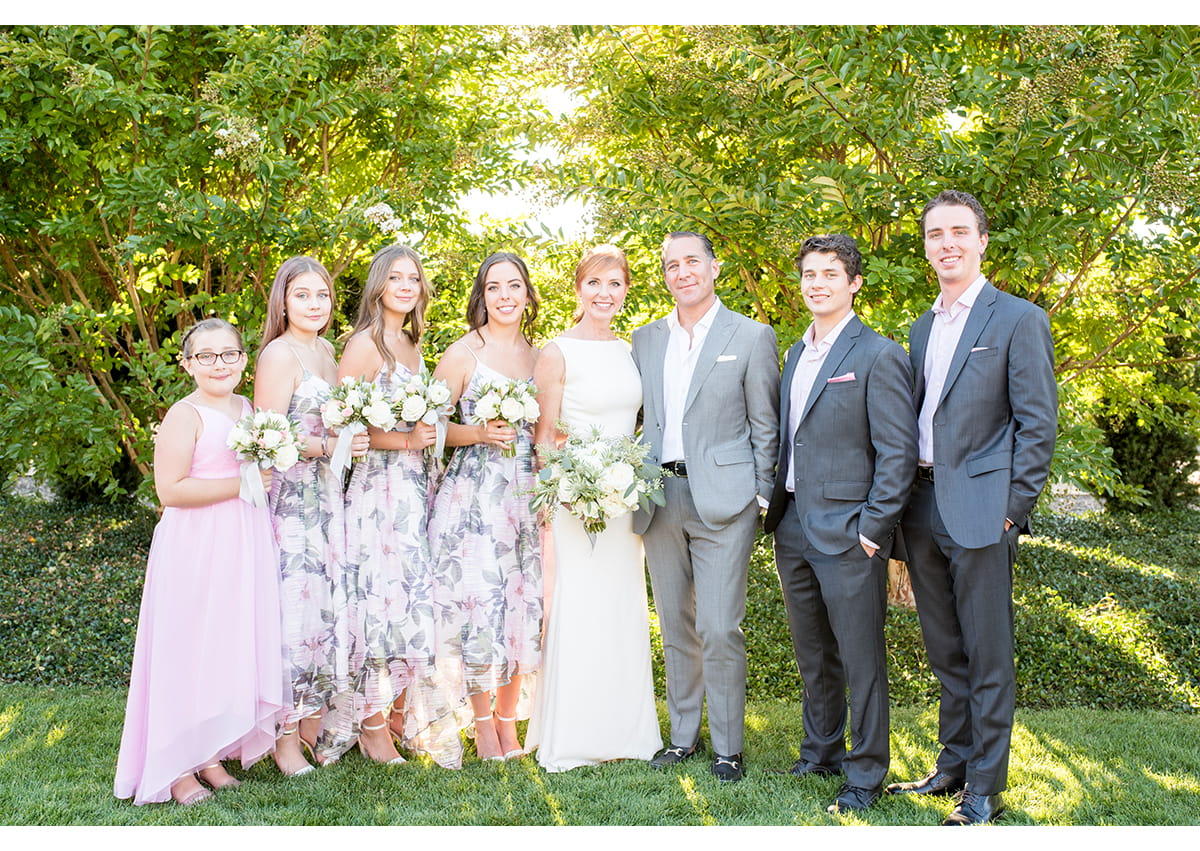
837, 379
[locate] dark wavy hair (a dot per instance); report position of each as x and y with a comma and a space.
477, 307
840, 244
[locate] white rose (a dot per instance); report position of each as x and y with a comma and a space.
413, 409
532, 411
613, 506
271, 438
354, 399
286, 457
512, 410
617, 478
379, 414
439, 394
237, 438
567, 492
488, 406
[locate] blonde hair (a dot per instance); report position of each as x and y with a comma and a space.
370, 308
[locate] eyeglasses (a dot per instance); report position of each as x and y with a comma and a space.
209, 358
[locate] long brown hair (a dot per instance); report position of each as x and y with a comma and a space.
477, 307
291, 269
370, 308
594, 260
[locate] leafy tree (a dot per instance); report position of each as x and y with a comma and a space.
1080, 142
151, 175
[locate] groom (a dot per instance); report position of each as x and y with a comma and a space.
710, 396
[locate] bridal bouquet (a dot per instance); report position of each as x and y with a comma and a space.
598, 478
424, 399
353, 405
511, 401
263, 439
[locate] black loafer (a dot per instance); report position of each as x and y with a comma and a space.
728, 769
853, 798
935, 783
975, 809
673, 755
804, 768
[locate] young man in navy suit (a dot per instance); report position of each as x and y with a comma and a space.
987, 400
847, 457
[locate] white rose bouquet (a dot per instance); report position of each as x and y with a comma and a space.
263, 439
353, 405
512, 401
424, 399
598, 478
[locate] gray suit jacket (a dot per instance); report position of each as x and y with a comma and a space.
995, 425
731, 414
855, 444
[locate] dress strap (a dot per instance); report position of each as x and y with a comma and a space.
296, 355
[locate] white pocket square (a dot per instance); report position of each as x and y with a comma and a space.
723, 358
979, 349
849, 376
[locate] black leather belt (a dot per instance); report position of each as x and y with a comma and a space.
925, 473
677, 468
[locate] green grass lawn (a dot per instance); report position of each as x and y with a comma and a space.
58, 749
1108, 693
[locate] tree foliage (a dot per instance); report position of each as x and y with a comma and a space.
151, 175
1081, 142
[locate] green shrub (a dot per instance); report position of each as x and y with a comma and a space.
1107, 609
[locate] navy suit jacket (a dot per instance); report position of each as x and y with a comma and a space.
995, 424
855, 444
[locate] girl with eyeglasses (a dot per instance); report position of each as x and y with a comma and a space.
211, 598
295, 373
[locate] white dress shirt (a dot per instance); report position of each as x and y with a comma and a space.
803, 377
679, 364
944, 334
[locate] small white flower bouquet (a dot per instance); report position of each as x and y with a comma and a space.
264, 439
353, 405
424, 399
598, 478
512, 401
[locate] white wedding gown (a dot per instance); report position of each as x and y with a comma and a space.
595, 701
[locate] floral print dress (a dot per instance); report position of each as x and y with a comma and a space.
308, 518
387, 505
487, 572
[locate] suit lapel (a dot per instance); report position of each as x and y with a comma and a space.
841, 348
714, 343
981, 314
785, 403
656, 352
918, 342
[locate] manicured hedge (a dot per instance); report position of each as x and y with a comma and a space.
1107, 608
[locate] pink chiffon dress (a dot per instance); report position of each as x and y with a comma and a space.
207, 679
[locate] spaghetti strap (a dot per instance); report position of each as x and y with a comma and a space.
296, 355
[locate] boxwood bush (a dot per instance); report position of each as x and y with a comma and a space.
1107, 609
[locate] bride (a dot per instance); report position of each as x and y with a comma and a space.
596, 699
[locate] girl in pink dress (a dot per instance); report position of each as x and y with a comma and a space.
207, 681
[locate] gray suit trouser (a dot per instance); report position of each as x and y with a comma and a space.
836, 607
964, 600
699, 579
